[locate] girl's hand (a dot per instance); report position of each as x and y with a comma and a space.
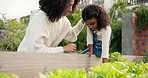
90, 53
104, 60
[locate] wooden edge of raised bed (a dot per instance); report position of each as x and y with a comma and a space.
28, 65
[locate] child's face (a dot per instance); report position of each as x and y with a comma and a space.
92, 23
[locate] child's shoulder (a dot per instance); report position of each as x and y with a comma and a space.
106, 28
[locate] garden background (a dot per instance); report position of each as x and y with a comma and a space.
12, 31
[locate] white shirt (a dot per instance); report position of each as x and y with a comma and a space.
104, 36
43, 35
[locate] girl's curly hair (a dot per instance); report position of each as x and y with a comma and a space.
96, 11
55, 8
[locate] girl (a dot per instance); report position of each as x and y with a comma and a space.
98, 31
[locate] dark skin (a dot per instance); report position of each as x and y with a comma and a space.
104, 60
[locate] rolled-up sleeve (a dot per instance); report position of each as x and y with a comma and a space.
89, 36
106, 33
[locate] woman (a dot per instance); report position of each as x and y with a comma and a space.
50, 26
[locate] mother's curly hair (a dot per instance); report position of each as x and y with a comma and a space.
96, 11
55, 8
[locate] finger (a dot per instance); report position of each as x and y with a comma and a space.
73, 50
74, 45
89, 55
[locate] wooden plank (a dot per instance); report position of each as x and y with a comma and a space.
131, 58
28, 65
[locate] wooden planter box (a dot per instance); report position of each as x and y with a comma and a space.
28, 65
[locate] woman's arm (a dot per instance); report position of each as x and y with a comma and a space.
37, 36
73, 32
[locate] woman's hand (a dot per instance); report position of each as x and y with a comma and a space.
70, 48
104, 60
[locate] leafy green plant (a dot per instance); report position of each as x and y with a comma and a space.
145, 59
3, 75
116, 56
121, 70
105, 70
142, 12
65, 73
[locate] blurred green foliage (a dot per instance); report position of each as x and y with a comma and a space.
11, 33
118, 9
142, 12
117, 36
116, 57
3, 75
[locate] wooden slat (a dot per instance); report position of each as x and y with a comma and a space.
131, 58
28, 65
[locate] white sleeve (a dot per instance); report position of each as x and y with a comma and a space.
73, 32
89, 36
36, 35
106, 33
39, 46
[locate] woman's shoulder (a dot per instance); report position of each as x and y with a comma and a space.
65, 20
40, 14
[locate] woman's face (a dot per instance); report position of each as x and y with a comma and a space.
69, 8
92, 23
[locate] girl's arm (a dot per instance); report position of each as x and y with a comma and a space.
106, 33
90, 40
90, 47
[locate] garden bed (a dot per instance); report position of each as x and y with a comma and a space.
28, 65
